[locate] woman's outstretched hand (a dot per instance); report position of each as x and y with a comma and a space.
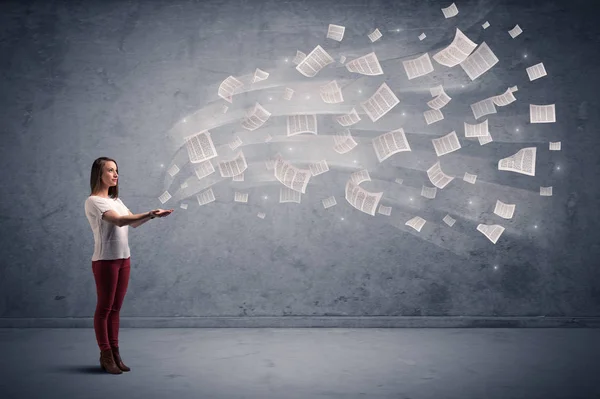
161, 213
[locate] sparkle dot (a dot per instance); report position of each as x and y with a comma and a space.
495, 267
286, 60
463, 86
470, 202
162, 166
355, 161
360, 91
270, 98
397, 30
290, 148
517, 129
265, 197
411, 198
184, 120
558, 167
342, 218
535, 226
307, 97
525, 55
404, 113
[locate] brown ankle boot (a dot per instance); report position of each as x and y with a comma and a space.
118, 361
107, 362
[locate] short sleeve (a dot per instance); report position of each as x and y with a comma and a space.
124, 206
96, 207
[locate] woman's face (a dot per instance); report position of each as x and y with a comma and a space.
110, 176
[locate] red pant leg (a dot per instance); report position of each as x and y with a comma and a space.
114, 315
106, 275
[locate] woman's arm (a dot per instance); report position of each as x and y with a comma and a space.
141, 221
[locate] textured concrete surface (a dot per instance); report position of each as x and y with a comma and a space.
306, 363
129, 79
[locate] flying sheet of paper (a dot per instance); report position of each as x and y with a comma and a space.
449, 220
348, 119
485, 25
503, 100
329, 202
546, 191
290, 176
536, 71
235, 143
422, 36
228, 88
318, 168
432, 116
446, 144
206, 197
417, 67
240, 197
479, 62
469, 178
483, 140
450, 11
331, 93
288, 94
261, 215
440, 101
342, 59
259, 75
286, 194
314, 62
234, 167
491, 231
390, 143
436, 90
360, 176
380, 103
428, 192
344, 142
385, 210
375, 35
542, 113
521, 162
478, 130
297, 124
256, 118
483, 108
516, 31
336, 32
365, 65
437, 177
300, 56
204, 169
458, 51
173, 170
164, 197
554, 146
362, 199
416, 223
200, 147
238, 178
505, 211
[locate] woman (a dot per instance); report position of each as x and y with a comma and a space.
109, 219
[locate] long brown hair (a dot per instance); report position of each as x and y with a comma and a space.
96, 177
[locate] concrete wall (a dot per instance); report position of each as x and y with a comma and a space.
131, 79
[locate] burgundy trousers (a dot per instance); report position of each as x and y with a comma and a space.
112, 278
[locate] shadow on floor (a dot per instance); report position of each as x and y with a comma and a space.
78, 369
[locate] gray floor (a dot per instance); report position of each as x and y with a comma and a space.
305, 363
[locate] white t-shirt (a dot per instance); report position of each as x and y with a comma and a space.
111, 241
